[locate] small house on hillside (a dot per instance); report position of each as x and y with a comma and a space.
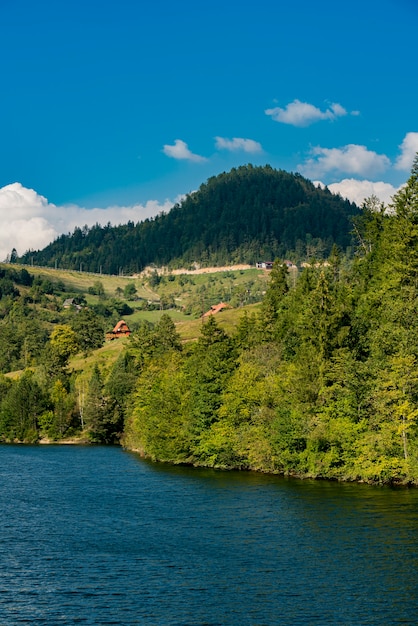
290, 265
120, 330
71, 303
217, 308
264, 265
268, 265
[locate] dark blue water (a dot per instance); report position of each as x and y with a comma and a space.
97, 536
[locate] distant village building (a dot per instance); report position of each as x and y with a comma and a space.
70, 303
264, 265
217, 308
290, 265
268, 265
120, 330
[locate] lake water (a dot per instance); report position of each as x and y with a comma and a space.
95, 535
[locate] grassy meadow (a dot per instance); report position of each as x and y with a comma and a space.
185, 297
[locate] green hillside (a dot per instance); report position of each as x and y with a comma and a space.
33, 301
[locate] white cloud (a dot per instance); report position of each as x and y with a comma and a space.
358, 190
180, 150
351, 159
238, 143
409, 149
29, 221
115, 214
25, 216
299, 113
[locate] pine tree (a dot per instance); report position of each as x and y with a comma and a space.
96, 416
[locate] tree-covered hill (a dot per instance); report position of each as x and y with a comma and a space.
245, 215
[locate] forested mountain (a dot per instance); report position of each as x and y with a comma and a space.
248, 214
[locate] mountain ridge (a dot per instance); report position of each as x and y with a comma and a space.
235, 217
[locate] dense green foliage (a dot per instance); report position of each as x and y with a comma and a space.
246, 215
323, 383
44, 326
39, 336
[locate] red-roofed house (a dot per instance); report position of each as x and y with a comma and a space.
121, 330
217, 308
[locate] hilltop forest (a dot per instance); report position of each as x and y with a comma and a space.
318, 380
246, 215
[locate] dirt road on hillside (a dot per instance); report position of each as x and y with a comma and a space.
212, 270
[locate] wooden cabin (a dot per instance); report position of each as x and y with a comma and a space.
120, 330
217, 308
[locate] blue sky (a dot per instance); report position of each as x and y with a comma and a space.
112, 110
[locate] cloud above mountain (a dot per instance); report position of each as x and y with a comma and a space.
238, 144
301, 114
358, 190
180, 150
408, 148
350, 159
